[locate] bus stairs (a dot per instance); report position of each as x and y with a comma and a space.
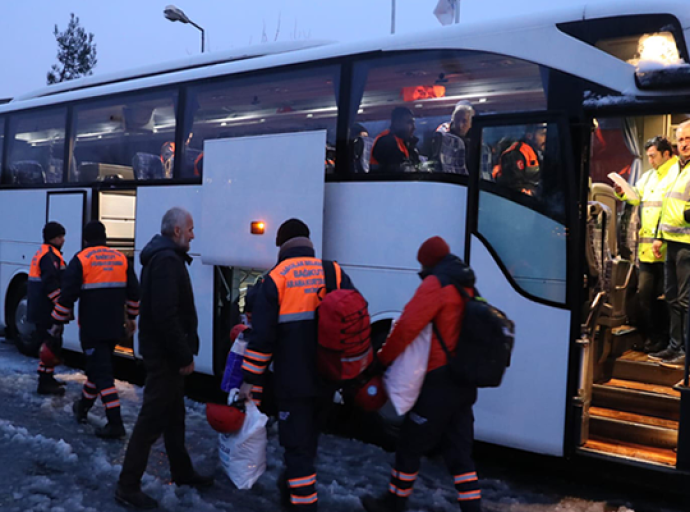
635, 410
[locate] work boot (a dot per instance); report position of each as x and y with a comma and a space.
48, 386
112, 431
652, 347
664, 354
386, 503
81, 411
135, 499
196, 480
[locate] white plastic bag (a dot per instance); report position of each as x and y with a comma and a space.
404, 378
243, 454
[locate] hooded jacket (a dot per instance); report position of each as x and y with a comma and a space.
45, 278
168, 321
436, 300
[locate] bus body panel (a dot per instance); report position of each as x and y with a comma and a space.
152, 203
528, 410
362, 221
269, 179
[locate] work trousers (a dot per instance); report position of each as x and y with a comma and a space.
100, 379
649, 289
162, 413
677, 291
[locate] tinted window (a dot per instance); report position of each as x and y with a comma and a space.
291, 101
36, 147
430, 85
130, 138
522, 206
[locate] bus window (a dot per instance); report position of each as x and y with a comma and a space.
36, 144
522, 206
131, 138
412, 112
290, 101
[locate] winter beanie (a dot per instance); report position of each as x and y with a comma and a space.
432, 251
94, 232
292, 228
52, 230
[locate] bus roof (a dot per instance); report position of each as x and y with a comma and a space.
534, 38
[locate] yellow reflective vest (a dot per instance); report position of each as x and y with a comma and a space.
672, 225
651, 189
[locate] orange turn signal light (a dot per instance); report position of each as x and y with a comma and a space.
258, 228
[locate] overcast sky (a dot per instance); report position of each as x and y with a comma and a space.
133, 33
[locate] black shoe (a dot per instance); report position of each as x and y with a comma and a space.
385, 503
135, 499
58, 382
196, 480
112, 431
664, 354
676, 360
48, 386
652, 347
81, 411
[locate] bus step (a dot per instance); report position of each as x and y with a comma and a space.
638, 398
629, 451
633, 428
635, 366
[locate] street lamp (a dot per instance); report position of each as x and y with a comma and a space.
176, 14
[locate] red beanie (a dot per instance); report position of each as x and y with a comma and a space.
432, 251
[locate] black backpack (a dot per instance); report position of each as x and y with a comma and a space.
485, 344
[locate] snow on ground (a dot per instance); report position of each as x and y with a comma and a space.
50, 463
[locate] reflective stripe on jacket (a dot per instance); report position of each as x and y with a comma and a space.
651, 189
672, 225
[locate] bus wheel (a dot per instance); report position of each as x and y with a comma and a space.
20, 329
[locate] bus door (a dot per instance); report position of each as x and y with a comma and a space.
69, 208
521, 212
115, 207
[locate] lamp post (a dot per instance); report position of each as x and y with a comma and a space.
176, 14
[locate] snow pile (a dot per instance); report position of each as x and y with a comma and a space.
48, 448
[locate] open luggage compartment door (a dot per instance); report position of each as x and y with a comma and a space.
265, 179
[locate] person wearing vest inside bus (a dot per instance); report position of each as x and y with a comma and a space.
519, 166
43, 291
443, 411
651, 189
284, 331
395, 149
106, 286
674, 230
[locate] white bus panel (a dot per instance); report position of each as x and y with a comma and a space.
266, 179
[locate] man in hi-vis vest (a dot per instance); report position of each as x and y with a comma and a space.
674, 229
651, 189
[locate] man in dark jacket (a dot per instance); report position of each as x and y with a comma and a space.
443, 411
105, 284
395, 149
45, 278
284, 330
168, 342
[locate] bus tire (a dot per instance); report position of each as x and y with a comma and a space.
20, 330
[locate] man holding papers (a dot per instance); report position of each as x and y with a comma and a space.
649, 193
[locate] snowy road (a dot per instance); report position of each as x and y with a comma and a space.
50, 463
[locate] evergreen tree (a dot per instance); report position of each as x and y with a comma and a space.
76, 53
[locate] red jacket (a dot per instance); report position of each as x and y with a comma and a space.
435, 300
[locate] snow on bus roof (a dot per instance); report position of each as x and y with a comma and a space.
530, 37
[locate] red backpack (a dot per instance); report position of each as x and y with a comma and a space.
344, 332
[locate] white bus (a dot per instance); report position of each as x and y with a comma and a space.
285, 130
